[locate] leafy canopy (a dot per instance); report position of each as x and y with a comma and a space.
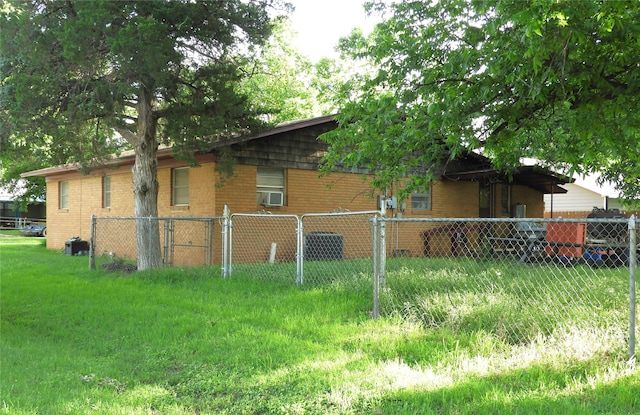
558, 81
75, 71
286, 80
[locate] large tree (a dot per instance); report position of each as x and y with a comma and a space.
155, 72
285, 79
558, 81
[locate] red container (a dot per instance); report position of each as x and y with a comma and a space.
563, 236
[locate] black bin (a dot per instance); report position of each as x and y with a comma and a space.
323, 246
73, 246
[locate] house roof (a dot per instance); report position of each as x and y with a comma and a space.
590, 182
164, 151
124, 157
469, 166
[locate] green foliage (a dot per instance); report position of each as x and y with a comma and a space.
75, 71
556, 81
282, 78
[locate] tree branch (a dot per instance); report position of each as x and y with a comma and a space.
127, 134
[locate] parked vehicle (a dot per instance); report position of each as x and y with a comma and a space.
35, 229
607, 232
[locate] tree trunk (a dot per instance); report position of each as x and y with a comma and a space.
145, 185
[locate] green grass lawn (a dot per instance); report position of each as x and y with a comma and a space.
185, 341
10, 232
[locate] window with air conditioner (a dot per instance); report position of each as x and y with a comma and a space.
270, 183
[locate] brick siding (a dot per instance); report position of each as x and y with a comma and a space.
306, 192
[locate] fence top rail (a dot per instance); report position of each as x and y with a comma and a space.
380, 218
345, 213
510, 220
291, 215
160, 217
22, 218
264, 215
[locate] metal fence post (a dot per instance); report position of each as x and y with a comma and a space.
167, 229
209, 243
149, 239
383, 252
376, 268
92, 244
225, 242
633, 262
300, 252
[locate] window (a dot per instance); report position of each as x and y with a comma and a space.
421, 201
180, 186
63, 195
270, 186
7, 209
505, 198
106, 191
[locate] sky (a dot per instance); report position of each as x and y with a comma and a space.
320, 23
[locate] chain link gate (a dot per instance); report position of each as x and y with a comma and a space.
185, 241
337, 247
522, 278
190, 240
314, 248
263, 246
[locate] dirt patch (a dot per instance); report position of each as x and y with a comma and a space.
117, 265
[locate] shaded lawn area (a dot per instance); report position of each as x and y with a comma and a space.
185, 341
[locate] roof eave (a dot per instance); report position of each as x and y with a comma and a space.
126, 157
546, 182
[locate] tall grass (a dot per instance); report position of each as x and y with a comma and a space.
517, 302
185, 341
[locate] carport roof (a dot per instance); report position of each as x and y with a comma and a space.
534, 177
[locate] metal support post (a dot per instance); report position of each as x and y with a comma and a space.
300, 252
376, 268
633, 264
225, 243
92, 244
383, 253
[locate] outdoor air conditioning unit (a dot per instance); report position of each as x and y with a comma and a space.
272, 198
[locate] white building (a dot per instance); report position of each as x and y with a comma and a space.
582, 196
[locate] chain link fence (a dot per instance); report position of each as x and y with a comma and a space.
516, 278
311, 249
184, 241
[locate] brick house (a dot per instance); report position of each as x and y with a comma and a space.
278, 171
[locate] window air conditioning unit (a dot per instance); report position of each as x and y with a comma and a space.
272, 198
